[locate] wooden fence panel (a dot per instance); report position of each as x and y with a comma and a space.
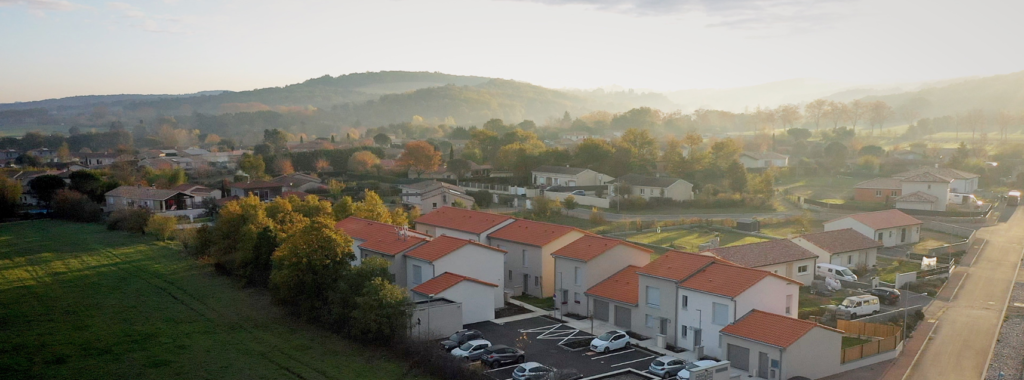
870, 348
852, 353
887, 344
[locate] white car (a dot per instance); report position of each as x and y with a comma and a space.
684, 374
609, 341
471, 350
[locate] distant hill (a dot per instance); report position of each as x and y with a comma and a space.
764, 95
999, 92
87, 101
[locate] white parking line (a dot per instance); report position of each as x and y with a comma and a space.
501, 368
631, 361
621, 352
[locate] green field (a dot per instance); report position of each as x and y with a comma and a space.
80, 302
688, 240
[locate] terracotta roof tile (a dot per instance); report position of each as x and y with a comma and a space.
379, 237
880, 183
880, 220
442, 246
623, 286
588, 247
460, 219
531, 232
676, 265
728, 280
772, 329
443, 282
763, 253
839, 241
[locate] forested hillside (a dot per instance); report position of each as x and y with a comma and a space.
994, 93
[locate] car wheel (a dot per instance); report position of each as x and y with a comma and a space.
495, 364
520, 360
853, 316
605, 350
874, 312
626, 346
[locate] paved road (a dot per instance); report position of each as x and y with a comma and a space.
962, 341
585, 213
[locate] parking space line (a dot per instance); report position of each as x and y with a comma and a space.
632, 361
617, 353
501, 368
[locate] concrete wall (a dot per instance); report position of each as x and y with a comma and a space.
815, 355
666, 310
582, 200
477, 262
435, 320
476, 305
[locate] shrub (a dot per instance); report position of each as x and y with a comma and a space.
428, 359
131, 220
195, 242
77, 207
597, 217
161, 226
483, 198
381, 315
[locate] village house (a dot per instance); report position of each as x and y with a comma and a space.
582, 264
844, 247
882, 190
567, 176
781, 257
158, 200
461, 223
890, 227
265, 190
298, 182
960, 181
772, 346
763, 160
447, 254
200, 193
432, 195
375, 239
924, 191
96, 160
472, 293
656, 187
529, 264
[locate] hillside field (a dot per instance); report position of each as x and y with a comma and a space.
80, 302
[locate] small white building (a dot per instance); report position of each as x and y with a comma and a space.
568, 176
844, 247
432, 195
771, 346
653, 187
461, 223
763, 160
890, 227
448, 254
473, 294
961, 181
587, 261
782, 257
924, 191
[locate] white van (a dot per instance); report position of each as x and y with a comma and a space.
856, 306
831, 270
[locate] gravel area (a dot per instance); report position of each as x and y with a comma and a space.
1018, 293
1008, 356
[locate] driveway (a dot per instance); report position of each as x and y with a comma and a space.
540, 338
961, 343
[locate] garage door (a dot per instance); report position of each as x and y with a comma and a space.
601, 310
739, 357
622, 317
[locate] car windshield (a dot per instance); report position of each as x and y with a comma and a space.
659, 363
454, 337
849, 303
607, 336
466, 347
520, 369
846, 272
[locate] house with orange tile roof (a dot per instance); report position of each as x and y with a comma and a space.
890, 227
772, 346
449, 254
777, 256
461, 223
471, 292
614, 299
587, 261
529, 266
656, 285
844, 247
375, 239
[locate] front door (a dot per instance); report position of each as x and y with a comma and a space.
664, 327
903, 235
762, 365
526, 283
697, 338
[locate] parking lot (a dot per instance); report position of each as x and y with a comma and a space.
540, 338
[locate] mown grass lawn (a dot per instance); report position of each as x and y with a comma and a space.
787, 229
80, 302
543, 303
689, 239
852, 341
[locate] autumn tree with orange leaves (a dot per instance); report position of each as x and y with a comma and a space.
420, 157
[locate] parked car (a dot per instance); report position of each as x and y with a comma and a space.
888, 296
460, 338
532, 371
495, 356
471, 350
667, 366
855, 306
579, 193
610, 341
839, 272
684, 374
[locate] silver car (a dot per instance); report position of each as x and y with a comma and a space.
532, 371
667, 366
471, 350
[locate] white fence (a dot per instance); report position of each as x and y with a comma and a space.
582, 200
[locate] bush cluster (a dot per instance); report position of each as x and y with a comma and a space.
131, 220
76, 207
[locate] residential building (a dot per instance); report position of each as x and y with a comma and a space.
567, 176
529, 264
265, 190
771, 346
472, 293
924, 191
375, 239
461, 223
781, 257
961, 181
763, 160
298, 182
158, 200
845, 247
890, 227
657, 286
882, 190
656, 187
200, 193
96, 160
583, 263
432, 195
615, 299
448, 254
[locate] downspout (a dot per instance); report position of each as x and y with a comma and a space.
782, 351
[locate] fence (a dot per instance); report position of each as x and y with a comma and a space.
582, 200
964, 232
891, 336
950, 214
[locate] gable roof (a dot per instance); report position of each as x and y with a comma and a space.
927, 177
879, 220
765, 155
643, 180
763, 253
917, 196
771, 329
728, 280
880, 183
441, 246
444, 281
623, 286
136, 192
839, 241
944, 172
559, 169
378, 237
464, 220
532, 232
255, 185
588, 247
676, 265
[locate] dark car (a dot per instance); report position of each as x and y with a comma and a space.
888, 296
460, 338
496, 356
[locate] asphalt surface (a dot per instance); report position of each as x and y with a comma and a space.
961, 344
540, 337
584, 213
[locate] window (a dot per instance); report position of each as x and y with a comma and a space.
895, 193
719, 314
435, 205
878, 193
929, 187
525, 263
576, 297
536, 281
579, 276
775, 364
641, 191
652, 321
653, 297
682, 331
849, 259
510, 275
789, 304
801, 269
684, 301
417, 274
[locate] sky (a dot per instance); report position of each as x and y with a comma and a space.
58, 48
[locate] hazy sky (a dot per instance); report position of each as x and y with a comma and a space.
56, 48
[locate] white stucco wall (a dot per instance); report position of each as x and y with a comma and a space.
967, 186
477, 262
888, 240
666, 309
935, 189
791, 270
427, 269
850, 259
592, 273
476, 305
815, 355
435, 231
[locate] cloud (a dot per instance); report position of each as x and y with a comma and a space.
39, 6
